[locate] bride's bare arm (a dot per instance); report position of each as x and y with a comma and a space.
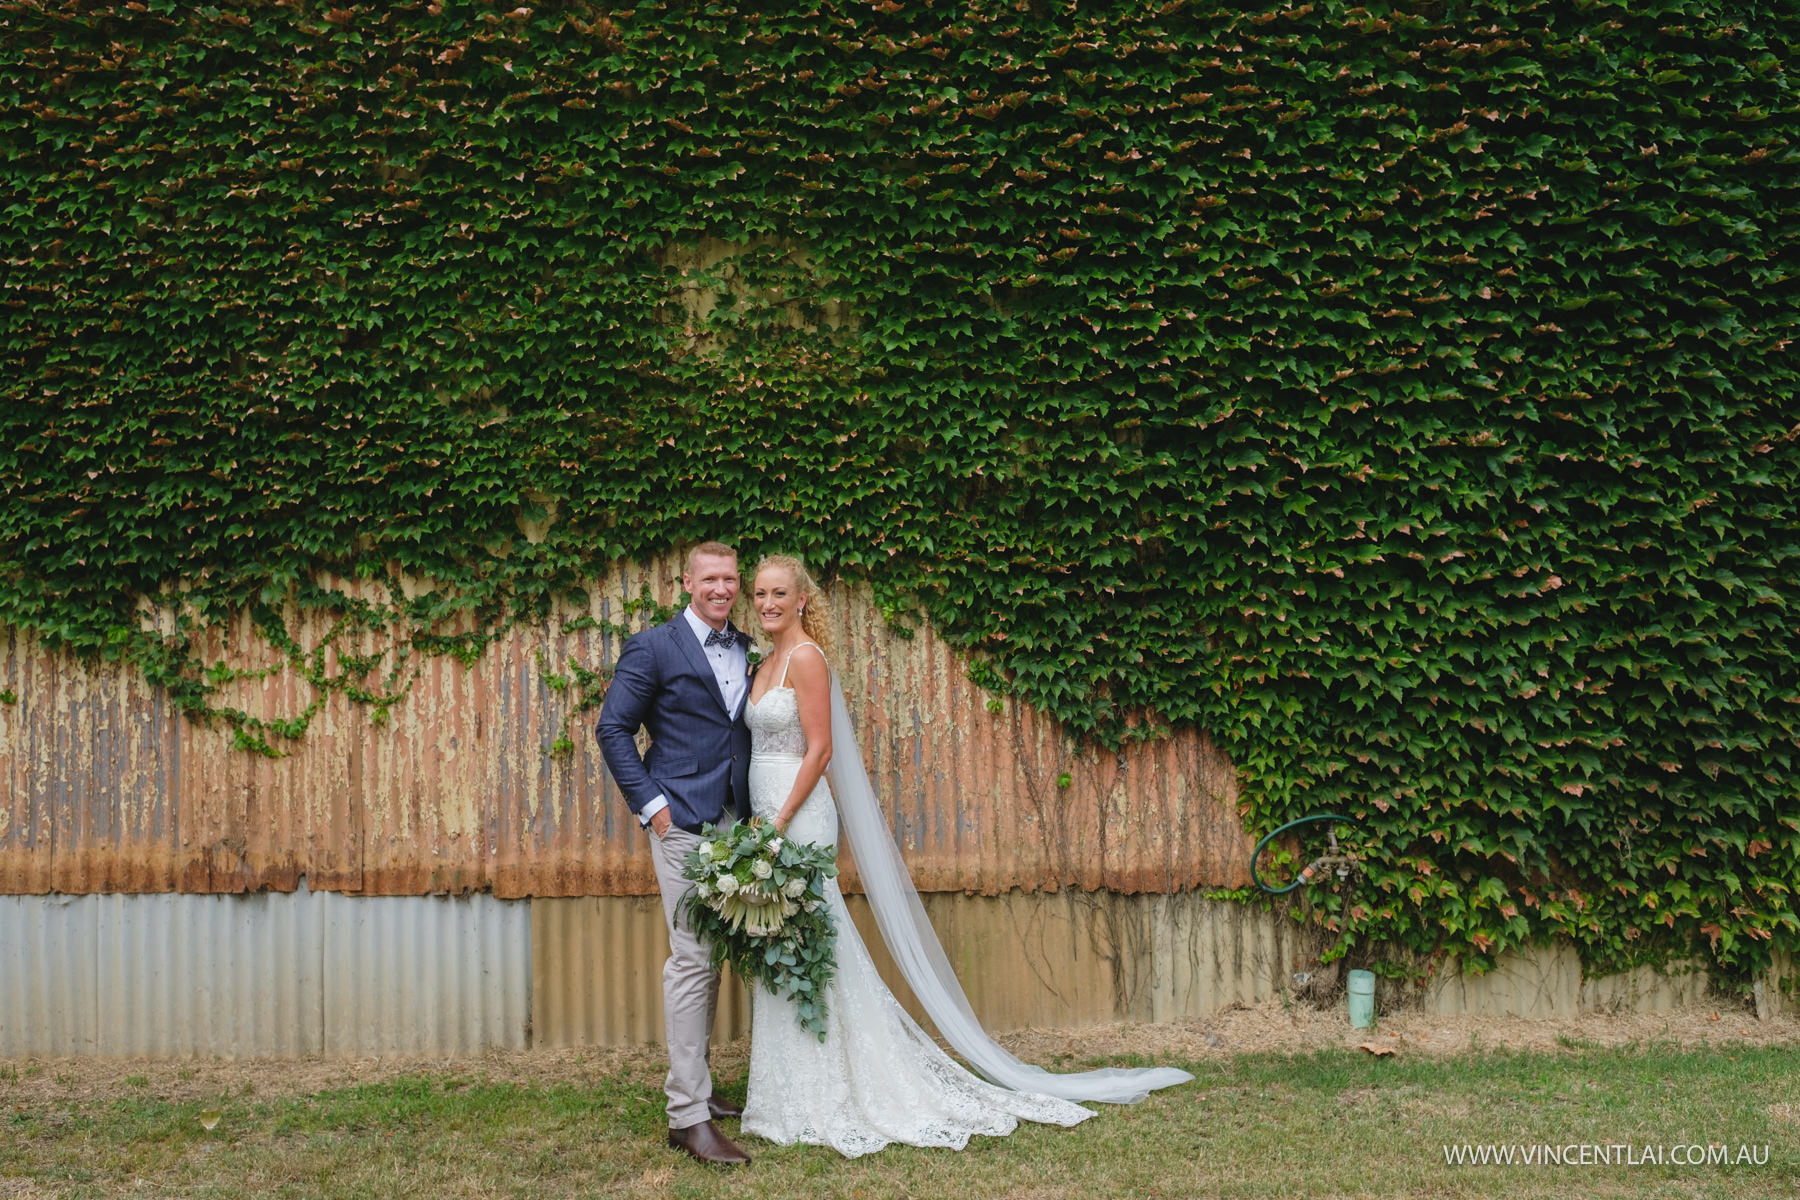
811, 680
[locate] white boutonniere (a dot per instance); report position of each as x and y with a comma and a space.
752, 655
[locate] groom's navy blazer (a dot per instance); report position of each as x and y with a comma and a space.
699, 754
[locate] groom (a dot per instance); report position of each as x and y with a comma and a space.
685, 682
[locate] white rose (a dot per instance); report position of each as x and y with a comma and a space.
706, 849
728, 885
775, 845
793, 888
704, 890
761, 868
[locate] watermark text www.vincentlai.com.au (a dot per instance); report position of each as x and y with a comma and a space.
1605, 1154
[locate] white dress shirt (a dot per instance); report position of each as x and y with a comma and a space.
730, 664
731, 669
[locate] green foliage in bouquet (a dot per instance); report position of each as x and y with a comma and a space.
1401, 392
758, 900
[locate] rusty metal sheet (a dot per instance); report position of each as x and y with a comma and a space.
974, 797
563, 828
25, 830
92, 803
89, 759
426, 786
248, 822
110, 790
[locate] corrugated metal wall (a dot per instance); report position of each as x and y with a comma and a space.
187, 974
107, 789
267, 973
311, 972
124, 828
596, 974
90, 759
49, 975
1026, 960
423, 974
1548, 981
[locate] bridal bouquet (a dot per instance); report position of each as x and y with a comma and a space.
759, 900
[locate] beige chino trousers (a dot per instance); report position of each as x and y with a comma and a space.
690, 989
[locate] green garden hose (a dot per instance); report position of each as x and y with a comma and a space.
1312, 868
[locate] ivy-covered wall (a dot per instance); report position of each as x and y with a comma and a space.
1405, 394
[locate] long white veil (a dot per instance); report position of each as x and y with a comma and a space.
915, 947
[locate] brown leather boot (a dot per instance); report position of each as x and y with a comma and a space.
704, 1143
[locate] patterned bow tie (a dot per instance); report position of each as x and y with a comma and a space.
722, 637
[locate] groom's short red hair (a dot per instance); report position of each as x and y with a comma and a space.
720, 549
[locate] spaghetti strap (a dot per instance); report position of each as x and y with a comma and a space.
789, 660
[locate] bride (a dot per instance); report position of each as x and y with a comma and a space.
876, 1078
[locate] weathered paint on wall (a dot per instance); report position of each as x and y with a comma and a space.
1548, 981
1644, 989
90, 760
596, 974
1025, 959
1049, 960
1774, 993
108, 789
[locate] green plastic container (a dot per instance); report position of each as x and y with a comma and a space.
1362, 999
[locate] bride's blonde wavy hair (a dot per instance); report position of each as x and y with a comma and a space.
813, 613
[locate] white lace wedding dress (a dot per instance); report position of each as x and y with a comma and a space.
876, 1079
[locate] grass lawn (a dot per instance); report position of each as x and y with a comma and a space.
1335, 1122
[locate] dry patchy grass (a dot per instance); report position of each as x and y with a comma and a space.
1284, 1105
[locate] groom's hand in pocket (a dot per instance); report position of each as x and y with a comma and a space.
660, 822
